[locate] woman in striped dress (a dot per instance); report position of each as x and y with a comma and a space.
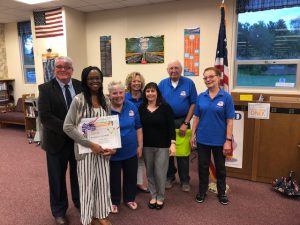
92, 168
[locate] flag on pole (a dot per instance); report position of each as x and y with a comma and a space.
221, 63
48, 23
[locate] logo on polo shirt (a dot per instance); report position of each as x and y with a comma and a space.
183, 93
220, 104
131, 113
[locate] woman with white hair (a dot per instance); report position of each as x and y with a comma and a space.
125, 158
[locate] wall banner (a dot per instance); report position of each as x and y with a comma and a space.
49, 64
105, 52
191, 51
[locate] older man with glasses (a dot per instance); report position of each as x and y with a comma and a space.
55, 98
180, 93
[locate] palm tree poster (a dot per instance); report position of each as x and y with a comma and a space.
143, 50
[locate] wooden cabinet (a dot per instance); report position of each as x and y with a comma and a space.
272, 146
6, 94
278, 147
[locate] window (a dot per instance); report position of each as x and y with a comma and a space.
26, 48
268, 49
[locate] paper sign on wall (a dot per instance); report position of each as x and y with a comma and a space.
259, 110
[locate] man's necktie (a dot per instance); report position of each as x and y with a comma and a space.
68, 96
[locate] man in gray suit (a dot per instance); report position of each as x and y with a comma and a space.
55, 97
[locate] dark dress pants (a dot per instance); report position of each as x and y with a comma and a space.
57, 167
183, 164
204, 156
129, 168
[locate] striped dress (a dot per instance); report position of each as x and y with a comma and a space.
92, 169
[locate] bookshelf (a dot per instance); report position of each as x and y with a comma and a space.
31, 114
6, 94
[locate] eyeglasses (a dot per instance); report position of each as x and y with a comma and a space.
93, 78
63, 67
209, 77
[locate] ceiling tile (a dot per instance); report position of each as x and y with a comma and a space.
89, 8
12, 11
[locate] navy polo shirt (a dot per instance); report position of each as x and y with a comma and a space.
136, 102
129, 120
180, 98
213, 114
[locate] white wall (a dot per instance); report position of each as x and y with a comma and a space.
82, 44
76, 40
169, 19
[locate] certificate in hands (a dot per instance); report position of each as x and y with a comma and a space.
104, 131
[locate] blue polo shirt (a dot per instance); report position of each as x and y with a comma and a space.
180, 98
129, 120
213, 114
136, 102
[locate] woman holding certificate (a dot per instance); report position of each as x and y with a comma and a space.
92, 168
126, 157
159, 141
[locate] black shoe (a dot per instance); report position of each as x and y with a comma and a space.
159, 206
223, 199
200, 198
61, 220
151, 205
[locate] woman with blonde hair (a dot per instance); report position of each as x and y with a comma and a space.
135, 83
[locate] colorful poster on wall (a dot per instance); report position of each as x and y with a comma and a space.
145, 50
49, 64
191, 51
236, 161
105, 52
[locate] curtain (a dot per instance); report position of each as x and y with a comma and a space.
24, 28
260, 5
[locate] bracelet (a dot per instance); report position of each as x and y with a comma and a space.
228, 139
173, 142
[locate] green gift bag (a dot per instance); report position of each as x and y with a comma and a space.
183, 147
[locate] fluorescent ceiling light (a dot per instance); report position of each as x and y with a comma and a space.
32, 2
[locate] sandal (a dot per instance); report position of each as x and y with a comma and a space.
114, 209
131, 205
104, 222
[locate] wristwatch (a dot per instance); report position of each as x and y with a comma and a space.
228, 139
186, 123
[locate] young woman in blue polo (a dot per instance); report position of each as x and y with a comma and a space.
126, 158
212, 132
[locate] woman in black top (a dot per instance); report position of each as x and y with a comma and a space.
159, 141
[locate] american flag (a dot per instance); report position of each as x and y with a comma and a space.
48, 23
221, 55
221, 63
